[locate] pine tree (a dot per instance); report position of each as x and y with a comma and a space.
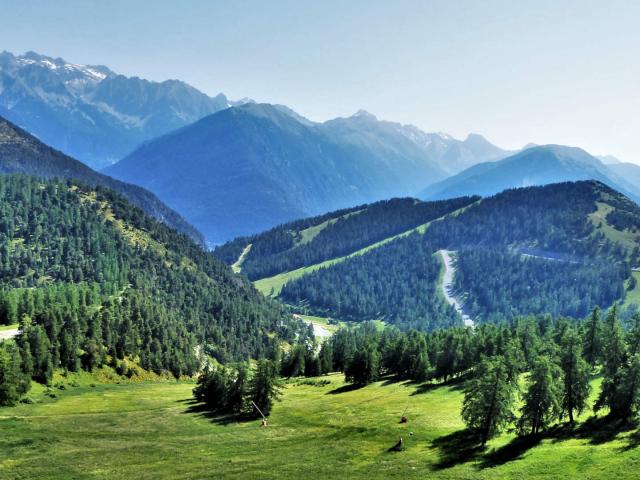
326, 358
542, 398
364, 366
614, 357
488, 399
576, 375
238, 388
265, 386
13, 383
628, 395
592, 337
212, 388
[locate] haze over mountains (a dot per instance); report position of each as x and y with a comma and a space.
22, 153
537, 165
249, 168
90, 112
238, 171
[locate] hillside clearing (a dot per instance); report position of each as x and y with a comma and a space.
8, 331
237, 266
447, 286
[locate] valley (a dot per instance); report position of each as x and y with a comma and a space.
273, 287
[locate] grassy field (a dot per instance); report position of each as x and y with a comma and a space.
153, 430
323, 322
8, 327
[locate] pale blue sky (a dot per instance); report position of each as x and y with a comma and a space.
538, 71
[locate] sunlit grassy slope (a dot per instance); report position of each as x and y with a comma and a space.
154, 431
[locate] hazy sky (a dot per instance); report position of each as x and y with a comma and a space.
515, 71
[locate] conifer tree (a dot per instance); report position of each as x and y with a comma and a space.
364, 366
576, 375
265, 386
326, 358
614, 357
542, 398
488, 399
13, 382
592, 337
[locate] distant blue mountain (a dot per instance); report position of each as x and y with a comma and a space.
91, 113
537, 165
248, 168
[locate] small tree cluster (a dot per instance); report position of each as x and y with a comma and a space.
234, 390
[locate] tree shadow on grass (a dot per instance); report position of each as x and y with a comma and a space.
596, 430
392, 380
454, 383
457, 448
463, 446
349, 387
202, 410
633, 442
513, 450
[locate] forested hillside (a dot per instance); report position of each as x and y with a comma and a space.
560, 249
314, 240
92, 279
20, 152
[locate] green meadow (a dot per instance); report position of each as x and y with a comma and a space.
154, 430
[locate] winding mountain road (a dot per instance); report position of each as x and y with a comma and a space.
447, 287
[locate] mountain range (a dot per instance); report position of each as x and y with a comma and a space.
536, 165
20, 152
90, 112
248, 168
237, 168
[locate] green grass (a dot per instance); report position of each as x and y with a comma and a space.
308, 234
633, 296
627, 239
9, 327
154, 431
323, 322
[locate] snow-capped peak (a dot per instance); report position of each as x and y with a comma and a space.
92, 73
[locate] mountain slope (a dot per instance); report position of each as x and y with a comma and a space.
90, 112
538, 165
246, 169
559, 249
90, 276
22, 153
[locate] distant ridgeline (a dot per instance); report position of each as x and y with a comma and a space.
559, 249
90, 276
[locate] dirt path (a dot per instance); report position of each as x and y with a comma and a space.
7, 334
236, 267
447, 287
